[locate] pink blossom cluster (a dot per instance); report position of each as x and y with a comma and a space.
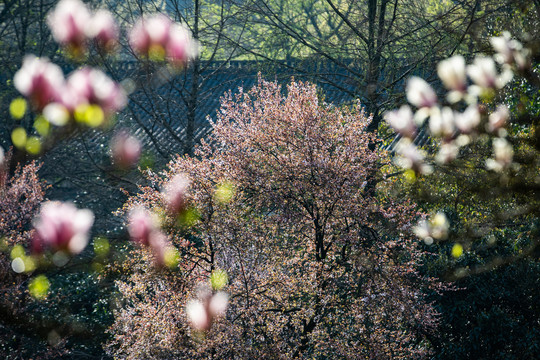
158, 37
43, 83
73, 25
144, 229
60, 226
454, 127
203, 311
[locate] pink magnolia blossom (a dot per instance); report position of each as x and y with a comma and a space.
143, 228
68, 22
402, 121
180, 47
39, 80
175, 193
157, 36
125, 149
93, 86
61, 226
103, 28
150, 33
420, 93
142, 224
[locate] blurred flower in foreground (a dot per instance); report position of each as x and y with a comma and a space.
125, 149
39, 80
420, 93
158, 38
409, 157
143, 228
503, 152
67, 23
510, 51
402, 121
436, 228
175, 194
202, 312
61, 226
72, 25
103, 29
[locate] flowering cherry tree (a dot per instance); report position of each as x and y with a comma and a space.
278, 199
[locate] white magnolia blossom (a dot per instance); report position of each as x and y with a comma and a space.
409, 157
420, 93
468, 120
436, 228
483, 73
402, 121
447, 153
509, 51
503, 152
57, 114
452, 73
441, 122
498, 118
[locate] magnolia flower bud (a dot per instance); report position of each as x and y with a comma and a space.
420, 93
61, 226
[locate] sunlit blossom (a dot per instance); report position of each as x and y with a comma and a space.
409, 157
468, 120
503, 153
103, 28
452, 73
175, 193
141, 225
39, 80
498, 118
402, 121
68, 22
420, 93
441, 122
484, 73
61, 226
509, 51
447, 153
202, 312
125, 149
